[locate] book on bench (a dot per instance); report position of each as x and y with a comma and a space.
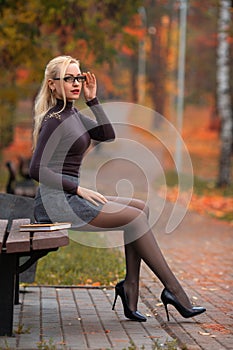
44, 227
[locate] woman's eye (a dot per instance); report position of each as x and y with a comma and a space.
68, 79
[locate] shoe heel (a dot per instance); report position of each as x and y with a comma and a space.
114, 302
168, 318
169, 298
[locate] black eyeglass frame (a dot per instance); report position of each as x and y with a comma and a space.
70, 79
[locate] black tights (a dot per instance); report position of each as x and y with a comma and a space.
131, 215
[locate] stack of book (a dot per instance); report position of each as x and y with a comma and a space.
45, 227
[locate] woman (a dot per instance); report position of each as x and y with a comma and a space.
61, 136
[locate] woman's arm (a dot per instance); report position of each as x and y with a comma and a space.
46, 146
100, 129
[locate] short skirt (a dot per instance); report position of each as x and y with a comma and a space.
53, 205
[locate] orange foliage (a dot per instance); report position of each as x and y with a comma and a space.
90, 282
136, 28
22, 75
139, 33
127, 51
212, 204
21, 144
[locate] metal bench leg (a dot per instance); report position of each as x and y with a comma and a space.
8, 263
17, 288
17, 283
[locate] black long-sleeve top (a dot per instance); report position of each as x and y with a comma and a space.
63, 139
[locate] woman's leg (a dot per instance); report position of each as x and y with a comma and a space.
132, 259
138, 235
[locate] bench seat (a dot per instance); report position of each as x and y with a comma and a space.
13, 245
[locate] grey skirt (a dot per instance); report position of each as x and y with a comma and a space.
52, 205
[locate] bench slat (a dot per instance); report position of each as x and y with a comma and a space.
3, 226
48, 240
18, 241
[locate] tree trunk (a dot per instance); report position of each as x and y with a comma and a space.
223, 93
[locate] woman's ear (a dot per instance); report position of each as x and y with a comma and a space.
51, 85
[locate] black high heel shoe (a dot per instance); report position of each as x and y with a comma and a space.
168, 298
132, 315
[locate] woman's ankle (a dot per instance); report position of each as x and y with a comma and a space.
180, 295
131, 291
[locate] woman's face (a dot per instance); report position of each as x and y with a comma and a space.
72, 89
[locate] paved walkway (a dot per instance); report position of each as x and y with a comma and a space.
199, 252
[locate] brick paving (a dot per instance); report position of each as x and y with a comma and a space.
200, 254
78, 318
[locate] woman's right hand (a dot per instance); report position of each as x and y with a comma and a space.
92, 196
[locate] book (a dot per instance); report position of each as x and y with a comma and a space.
44, 227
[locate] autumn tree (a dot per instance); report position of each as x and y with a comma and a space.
19, 34
201, 47
224, 92
158, 20
32, 32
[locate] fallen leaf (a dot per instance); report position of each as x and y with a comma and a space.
96, 284
204, 333
217, 327
159, 304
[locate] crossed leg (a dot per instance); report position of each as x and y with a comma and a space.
131, 216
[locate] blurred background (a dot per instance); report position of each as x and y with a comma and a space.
172, 56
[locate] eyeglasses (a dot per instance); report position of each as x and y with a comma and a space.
71, 80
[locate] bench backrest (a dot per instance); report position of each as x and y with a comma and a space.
15, 207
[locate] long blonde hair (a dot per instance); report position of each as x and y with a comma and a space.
56, 68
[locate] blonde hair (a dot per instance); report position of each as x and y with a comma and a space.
56, 68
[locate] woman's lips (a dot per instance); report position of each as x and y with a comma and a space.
76, 91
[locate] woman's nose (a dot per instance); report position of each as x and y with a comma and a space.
75, 82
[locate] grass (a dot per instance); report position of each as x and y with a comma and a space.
77, 264
168, 345
49, 345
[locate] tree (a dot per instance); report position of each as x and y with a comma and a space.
201, 45
32, 32
159, 21
223, 92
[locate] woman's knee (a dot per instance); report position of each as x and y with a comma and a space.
136, 228
146, 210
131, 202
144, 207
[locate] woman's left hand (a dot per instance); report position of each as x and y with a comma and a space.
89, 86
92, 196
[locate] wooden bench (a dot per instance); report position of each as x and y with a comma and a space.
14, 211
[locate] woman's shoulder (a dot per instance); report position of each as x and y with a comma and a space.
52, 119
53, 113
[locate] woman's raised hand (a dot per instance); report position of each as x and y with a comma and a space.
92, 196
89, 86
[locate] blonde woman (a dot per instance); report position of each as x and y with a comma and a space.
61, 137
